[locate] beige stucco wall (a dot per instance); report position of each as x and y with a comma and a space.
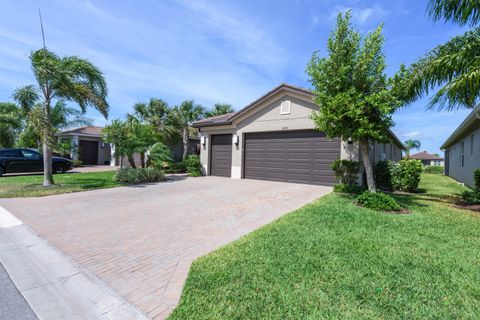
268, 117
471, 158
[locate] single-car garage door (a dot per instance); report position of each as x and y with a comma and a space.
88, 152
291, 156
221, 155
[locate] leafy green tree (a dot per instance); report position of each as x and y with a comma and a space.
10, 123
116, 133
352, 90
219, 109
159, 154
453, 67
67, 78
411, 144
182, 117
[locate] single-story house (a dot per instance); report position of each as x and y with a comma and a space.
274, 138
428, 159
462, 149
87, 145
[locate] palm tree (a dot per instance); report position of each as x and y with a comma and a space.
219, 109
62, 117
155, 113
67, 78
411, 144
10, 123
182, 117
453, 66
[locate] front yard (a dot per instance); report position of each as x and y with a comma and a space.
332, 259
31, 185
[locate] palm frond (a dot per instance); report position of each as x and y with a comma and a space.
26, 97
463, 12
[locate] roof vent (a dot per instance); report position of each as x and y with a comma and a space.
285, 107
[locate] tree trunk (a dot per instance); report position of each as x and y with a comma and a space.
368, 165
131, 161
185, 143
47, 164
142, 159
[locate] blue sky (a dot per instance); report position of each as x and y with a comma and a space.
214, 51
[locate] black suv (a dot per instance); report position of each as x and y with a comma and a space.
27, 160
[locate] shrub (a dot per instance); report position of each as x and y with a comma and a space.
434, 169
346, 171
382, 174
159, 154
471, 197
406, 175
193, 165
77, 163
378, 201
347, 188
139, 175
476, 174
175, 167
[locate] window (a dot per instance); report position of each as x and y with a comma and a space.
462, 154
30, 154
471, 144
11, 154
285, 107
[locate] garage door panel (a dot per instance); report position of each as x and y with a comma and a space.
221, 155
291, 156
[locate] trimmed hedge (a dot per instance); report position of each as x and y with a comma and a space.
382, 173
434, 169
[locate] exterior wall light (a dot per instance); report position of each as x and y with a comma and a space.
102, 145
202, 140
235, 139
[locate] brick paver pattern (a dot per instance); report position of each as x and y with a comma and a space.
141, 240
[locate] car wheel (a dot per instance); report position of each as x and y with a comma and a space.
59, 168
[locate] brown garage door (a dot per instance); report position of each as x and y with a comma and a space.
88, 152
291, 156
221, 155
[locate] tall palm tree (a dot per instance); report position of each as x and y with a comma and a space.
67, 78
411, 144
453, 66
219, 109
182, 117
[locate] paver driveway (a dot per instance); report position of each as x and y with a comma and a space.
141, 240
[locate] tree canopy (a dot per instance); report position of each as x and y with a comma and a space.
219, 109
352, 90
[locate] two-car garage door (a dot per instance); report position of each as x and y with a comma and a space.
291, 156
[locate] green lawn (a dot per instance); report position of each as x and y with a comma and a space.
31, 186
334, 260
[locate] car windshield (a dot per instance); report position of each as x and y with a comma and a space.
31, 154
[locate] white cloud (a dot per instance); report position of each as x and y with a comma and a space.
410, 134
360, 16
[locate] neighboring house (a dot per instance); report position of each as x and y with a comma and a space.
428, 159
273, 138
87, 145
462, 149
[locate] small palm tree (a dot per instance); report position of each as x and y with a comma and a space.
411, 144
182, 117
67, 78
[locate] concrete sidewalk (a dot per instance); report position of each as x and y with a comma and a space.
52, 284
